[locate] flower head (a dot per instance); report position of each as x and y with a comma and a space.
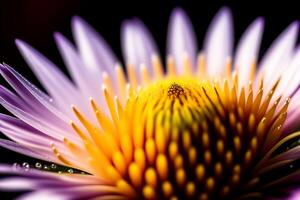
213, 125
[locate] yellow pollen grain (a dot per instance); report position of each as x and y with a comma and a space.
125, 188
220, 147
160, 140
162, 166
135, 174
151, 177
180, 176
150, 151
149, 192
119, 162
173, 150
190, 189
210, 183
113, 173
178, 162
140, 158
186, 140
200, 172
205, 140
192, 154
126, 147
167, 189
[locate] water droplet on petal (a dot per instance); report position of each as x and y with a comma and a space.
25, 166
53, 166
46, 167
16, 166
38, 165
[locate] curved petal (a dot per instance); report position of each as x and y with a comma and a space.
290, 79
86, 83
248, 49
36, 101
49, 75
278, 55
218, 42
181, 38
94, 51
26, 151
137, 44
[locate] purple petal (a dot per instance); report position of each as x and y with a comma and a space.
218, 42
77, 68
278, 55
50, 76
181, 38
12, 98
37, 101
137, 44
248, 49
95, 52
24, 134
10, 184
295, 195
290, 79
26, 151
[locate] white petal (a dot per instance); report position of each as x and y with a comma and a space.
181, 38
248, 49
278, 55
137, 44
218, 42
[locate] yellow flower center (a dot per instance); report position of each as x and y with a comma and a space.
180, 138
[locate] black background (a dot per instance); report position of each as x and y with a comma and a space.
34, 21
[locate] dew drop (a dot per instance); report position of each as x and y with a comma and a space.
26, 166
38, 165
16, 166
53, 166
71, 171
46, 167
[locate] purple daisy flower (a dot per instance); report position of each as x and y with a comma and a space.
216, 124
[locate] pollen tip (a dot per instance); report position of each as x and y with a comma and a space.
104, 89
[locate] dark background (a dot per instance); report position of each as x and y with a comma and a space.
34, 21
